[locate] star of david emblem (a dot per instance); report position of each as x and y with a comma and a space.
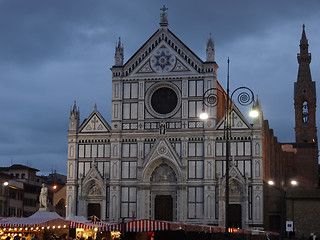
163, 60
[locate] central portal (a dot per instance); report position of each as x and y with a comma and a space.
235, 216
94, 210
164, 207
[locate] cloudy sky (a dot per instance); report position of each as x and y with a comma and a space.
53, 52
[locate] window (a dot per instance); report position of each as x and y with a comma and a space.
92, 150
195, 202
216, 200
129, 150
147, 148
130, 111
83, 169
196, 88
130, 90
250, 202
195, 169
129, 170
195, 149
104, 168
128, 201
240, 148
195, 108
177, 147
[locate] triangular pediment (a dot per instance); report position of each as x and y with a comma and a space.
163, 149
163, 54
93, 174
235, 173
95, 123
237, 121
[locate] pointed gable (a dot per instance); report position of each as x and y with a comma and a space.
92, 184
163, 53
237, 121
163, 148
94, 123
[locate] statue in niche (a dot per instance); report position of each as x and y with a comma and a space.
162, 128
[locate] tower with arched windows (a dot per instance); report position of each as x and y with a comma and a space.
306, 159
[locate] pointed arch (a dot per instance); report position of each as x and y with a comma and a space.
152, 165
258, 207
257, 168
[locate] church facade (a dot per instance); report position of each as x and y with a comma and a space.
156, 159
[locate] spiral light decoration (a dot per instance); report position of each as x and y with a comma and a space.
211, 97
245, 95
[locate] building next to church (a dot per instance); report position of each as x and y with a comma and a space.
157, 160
292, 169
20, 187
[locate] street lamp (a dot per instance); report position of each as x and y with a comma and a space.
211, 98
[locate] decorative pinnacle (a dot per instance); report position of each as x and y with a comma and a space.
164, 17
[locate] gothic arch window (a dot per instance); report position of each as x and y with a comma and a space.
305, 112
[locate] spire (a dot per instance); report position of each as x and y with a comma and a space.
304, 58
304, 43
118, 56
257, 121
210, 50
164, 17
74, 117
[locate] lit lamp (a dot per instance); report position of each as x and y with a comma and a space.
294, 182
271, 183
211, 99
203, 115
254, 113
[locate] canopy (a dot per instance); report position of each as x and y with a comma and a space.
146, 225
47, 220
42, 219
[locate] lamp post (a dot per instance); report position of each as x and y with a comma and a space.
210, 99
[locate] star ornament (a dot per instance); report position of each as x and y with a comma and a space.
163, 60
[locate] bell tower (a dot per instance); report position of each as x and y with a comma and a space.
306, 158
305, 97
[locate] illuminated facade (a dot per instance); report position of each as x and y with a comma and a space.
157, 159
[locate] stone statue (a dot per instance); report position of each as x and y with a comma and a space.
43, 196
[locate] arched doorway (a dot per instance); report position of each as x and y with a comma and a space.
94, 211
236, 204
163, 192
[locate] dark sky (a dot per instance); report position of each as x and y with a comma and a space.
54, 52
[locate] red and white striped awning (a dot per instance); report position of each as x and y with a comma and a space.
146, 226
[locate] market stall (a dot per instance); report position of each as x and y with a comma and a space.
48, 225
157, 230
